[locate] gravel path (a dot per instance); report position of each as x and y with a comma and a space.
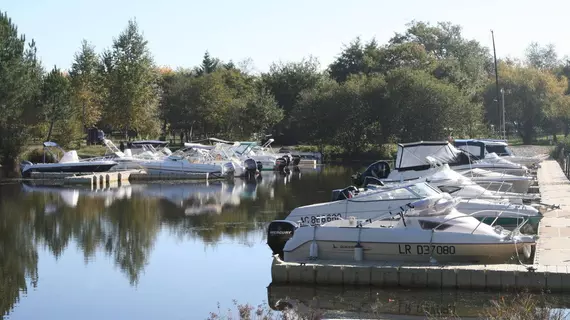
530, 150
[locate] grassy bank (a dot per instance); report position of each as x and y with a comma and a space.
336, 154
521, 306
34, 152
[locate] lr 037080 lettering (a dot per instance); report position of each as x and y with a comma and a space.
321, 219
431, 249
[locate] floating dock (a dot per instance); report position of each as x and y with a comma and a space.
549, 272
98, 180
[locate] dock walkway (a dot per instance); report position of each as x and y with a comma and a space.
554, 230
549, 272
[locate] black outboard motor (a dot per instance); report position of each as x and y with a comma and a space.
377, 170
278, 233
296, 160
281, 164
250, 167
346, 193
259, 166
287, 159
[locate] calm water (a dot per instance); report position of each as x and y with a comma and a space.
169, 251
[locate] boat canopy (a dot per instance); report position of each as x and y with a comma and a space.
198, 146
154, 143
480, 147
412, 156
51, 144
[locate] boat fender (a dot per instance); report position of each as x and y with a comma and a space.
358, 252
314, 248
527, 251
352, 220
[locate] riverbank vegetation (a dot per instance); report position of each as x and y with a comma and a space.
514, 306
424, 83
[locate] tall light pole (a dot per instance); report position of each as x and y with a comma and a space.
496, 80
504, 119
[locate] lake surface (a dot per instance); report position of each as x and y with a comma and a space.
171, 251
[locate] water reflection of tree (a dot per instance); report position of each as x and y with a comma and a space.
18, 255
126, 229
133, 226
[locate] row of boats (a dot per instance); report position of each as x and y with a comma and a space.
463, 201
220, 158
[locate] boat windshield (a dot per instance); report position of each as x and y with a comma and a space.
415, 191
243, 148
500, 150
423, 190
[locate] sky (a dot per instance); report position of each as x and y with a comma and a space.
266, 31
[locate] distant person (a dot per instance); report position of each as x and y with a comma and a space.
122, 146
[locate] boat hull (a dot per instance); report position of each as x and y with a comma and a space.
68, 167
495, 253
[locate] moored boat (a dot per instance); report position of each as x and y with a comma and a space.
428, 230
69, 162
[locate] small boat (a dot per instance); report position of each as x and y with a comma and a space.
492, 148
269, 162
189, 161
411, 160
447, 180
69, 162
426, 230
499, 181
368, 203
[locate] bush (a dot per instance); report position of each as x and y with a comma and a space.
36, 155
521, 306
370, 152
561, 149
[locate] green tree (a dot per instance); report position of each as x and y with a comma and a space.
533, 98
86, 83
422, 107
20, 81
463, 62
343, 114
286, 81
352, 60
55, 101
544, 58
131, 81
209, 65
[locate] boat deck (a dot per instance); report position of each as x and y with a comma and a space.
549, 272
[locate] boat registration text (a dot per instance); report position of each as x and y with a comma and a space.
321, 219
426, 249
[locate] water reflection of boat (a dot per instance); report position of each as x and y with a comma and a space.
70, 195
194, 197
378, 303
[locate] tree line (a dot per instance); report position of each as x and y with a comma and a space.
425, 83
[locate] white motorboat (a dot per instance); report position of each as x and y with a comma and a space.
126, 160
367, 203
492, 149
69, 162
447, 180
411, 160
499, 181
269, 162
221, 153
428, 230
188, 161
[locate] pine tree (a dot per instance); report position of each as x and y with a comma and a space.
86, 85
20, 76
55, 100
131, 81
